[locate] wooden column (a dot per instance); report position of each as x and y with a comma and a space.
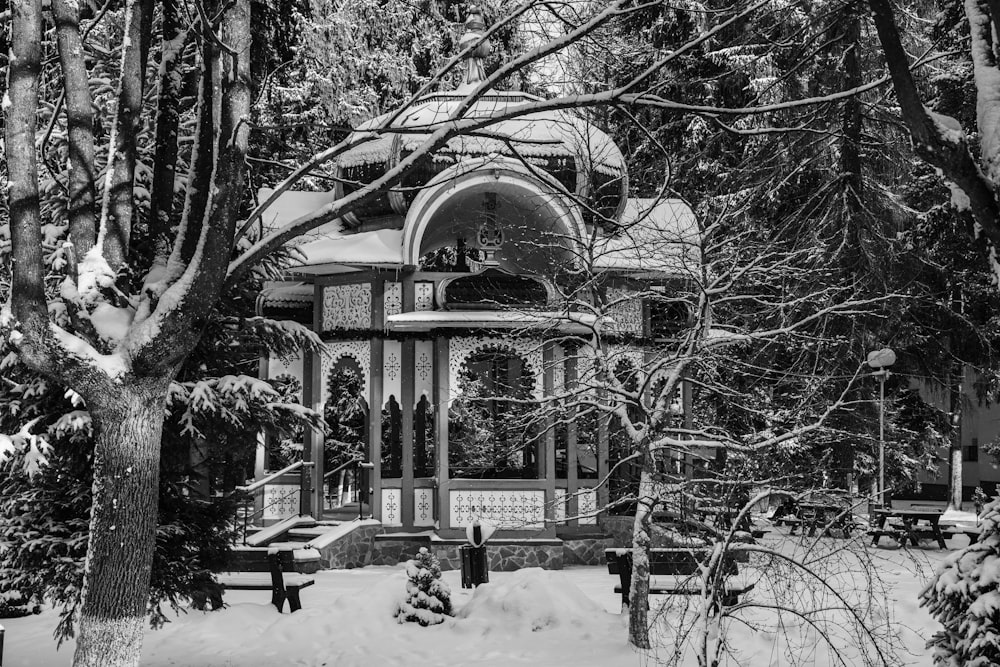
442, 398
375, 401
312, 446
312, 396
687, 406
547, 457
603, 422
572, 461
407, 405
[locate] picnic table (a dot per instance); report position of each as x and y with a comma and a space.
912, 525
722, 516
813, 514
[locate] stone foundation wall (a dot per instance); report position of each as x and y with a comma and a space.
352, 550
500, 556
585, 551
618, 528
393, 552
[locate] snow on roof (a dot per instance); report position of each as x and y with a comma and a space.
539, 134
658, 235
287, 294
370, 152
383, 247
493, 319
292, 205
329, 244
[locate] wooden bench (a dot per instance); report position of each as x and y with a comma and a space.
274, 574
679, 570
954, 531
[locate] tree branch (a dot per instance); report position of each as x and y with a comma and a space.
118, 207
950, 154
27, 292
80, 124
173, 41
178, 315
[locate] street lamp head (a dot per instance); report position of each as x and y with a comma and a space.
881, 358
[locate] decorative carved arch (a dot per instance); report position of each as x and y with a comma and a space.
357, 350
462, 347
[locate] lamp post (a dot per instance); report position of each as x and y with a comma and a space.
880, 360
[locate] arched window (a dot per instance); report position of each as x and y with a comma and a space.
346, 412
392, 439
423, 439
491, 434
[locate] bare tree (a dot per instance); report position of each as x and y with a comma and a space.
714, 288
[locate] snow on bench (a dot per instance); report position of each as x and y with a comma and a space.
283, 585
675, 572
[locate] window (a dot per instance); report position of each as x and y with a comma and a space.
491, 434
346, 416
971, 453
392, 439
493, 289
423, 439
667, 317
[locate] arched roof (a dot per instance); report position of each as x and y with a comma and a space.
543, 208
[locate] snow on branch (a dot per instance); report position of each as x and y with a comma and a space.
32, 448
233, 398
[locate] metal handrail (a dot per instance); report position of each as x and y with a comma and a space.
270, 478
358, 464
303, 468
341, 467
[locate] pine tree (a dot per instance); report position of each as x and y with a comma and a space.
428, 598
963, 597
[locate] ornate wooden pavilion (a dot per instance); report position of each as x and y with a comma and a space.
445, 299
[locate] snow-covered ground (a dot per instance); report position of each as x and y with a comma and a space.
539, 618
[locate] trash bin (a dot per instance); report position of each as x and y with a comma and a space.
474, 570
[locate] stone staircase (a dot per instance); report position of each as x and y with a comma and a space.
315, 544
346, 512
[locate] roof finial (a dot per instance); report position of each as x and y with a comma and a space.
475, 28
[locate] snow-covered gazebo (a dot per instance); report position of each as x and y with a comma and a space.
452, 279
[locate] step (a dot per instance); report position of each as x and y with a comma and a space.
348, 512
308, 533
271, 533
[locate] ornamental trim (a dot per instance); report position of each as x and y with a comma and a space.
347, 306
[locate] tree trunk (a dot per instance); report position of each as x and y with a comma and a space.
638, 616
955, 474
128, 421
955, 450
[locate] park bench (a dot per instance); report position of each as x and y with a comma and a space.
677, 571
275, 573
951, 530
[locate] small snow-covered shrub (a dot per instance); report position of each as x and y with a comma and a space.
964, 597
428, 598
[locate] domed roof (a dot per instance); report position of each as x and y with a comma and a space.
582, 158
550, 133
